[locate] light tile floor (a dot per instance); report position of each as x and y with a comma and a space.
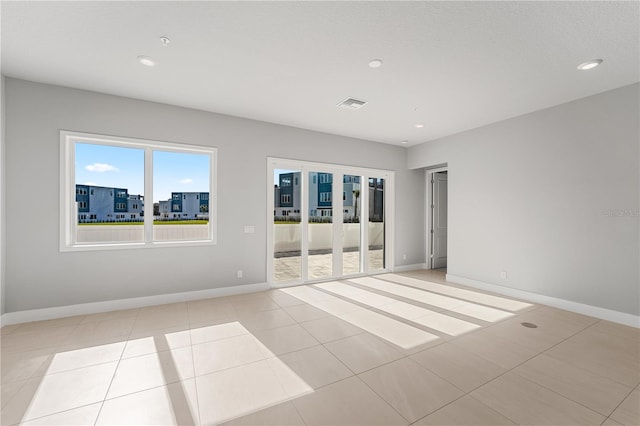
394, 349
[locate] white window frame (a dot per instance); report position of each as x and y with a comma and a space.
68, 210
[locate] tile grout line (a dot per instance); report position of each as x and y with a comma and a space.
193, 364
524, 378
116, 369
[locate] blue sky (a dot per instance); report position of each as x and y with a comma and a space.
120, 167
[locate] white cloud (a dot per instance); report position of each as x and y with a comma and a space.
187, 180
101, 167
90, 184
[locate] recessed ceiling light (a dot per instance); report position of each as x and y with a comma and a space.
375, 63
589, 64
418, 125
146, 61
165, 41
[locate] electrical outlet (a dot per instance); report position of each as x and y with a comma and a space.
503, 275
239, 273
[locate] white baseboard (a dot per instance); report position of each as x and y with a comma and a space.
115, 305
406, 268
580, 308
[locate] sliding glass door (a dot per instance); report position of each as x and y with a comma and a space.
326, 221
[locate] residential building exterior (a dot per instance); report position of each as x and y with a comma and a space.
185, 206
287, 198
102, 204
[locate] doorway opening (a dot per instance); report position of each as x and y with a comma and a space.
437, 217
327, 221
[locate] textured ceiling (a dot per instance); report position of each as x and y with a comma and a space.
452, 66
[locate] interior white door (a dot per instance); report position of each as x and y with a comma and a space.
439, 220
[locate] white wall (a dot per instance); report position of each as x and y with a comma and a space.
533, 195
2, 222
39, 276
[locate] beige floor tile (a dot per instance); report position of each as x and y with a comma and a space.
619, 330
283, 299
157, 341
462, 368
154, 319
202, 311
245, 389
603, 354
330, 328
465, 411
35, 339
59, 392
537, 339
77, 416
9, 390
7, 329
393, 331
264, 320
628, 413
217, 332
498, 350
525, 402
446, 324
363, 352
284, 414
286, 339
591, 390
95, 330
611, 422
348, 402
406, 310
149, 371
411, 389
305, 312
474, 296
24, 365
226, 353
174, 404
58, 322
256, 304
316, 366
111, 315
85, 357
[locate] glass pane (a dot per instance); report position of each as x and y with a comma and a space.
376, 224
181, 196
351, 224
287, 230
109, 193
320, 262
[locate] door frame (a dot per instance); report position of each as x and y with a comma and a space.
429, 212
339, 170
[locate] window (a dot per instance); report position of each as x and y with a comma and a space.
326, 178
325, 197
286, 198
116, 171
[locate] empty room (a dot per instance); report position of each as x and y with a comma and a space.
320, 213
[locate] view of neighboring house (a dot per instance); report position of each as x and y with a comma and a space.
101, 204
185, 205
287, 202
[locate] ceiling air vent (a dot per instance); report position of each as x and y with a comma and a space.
352, 103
